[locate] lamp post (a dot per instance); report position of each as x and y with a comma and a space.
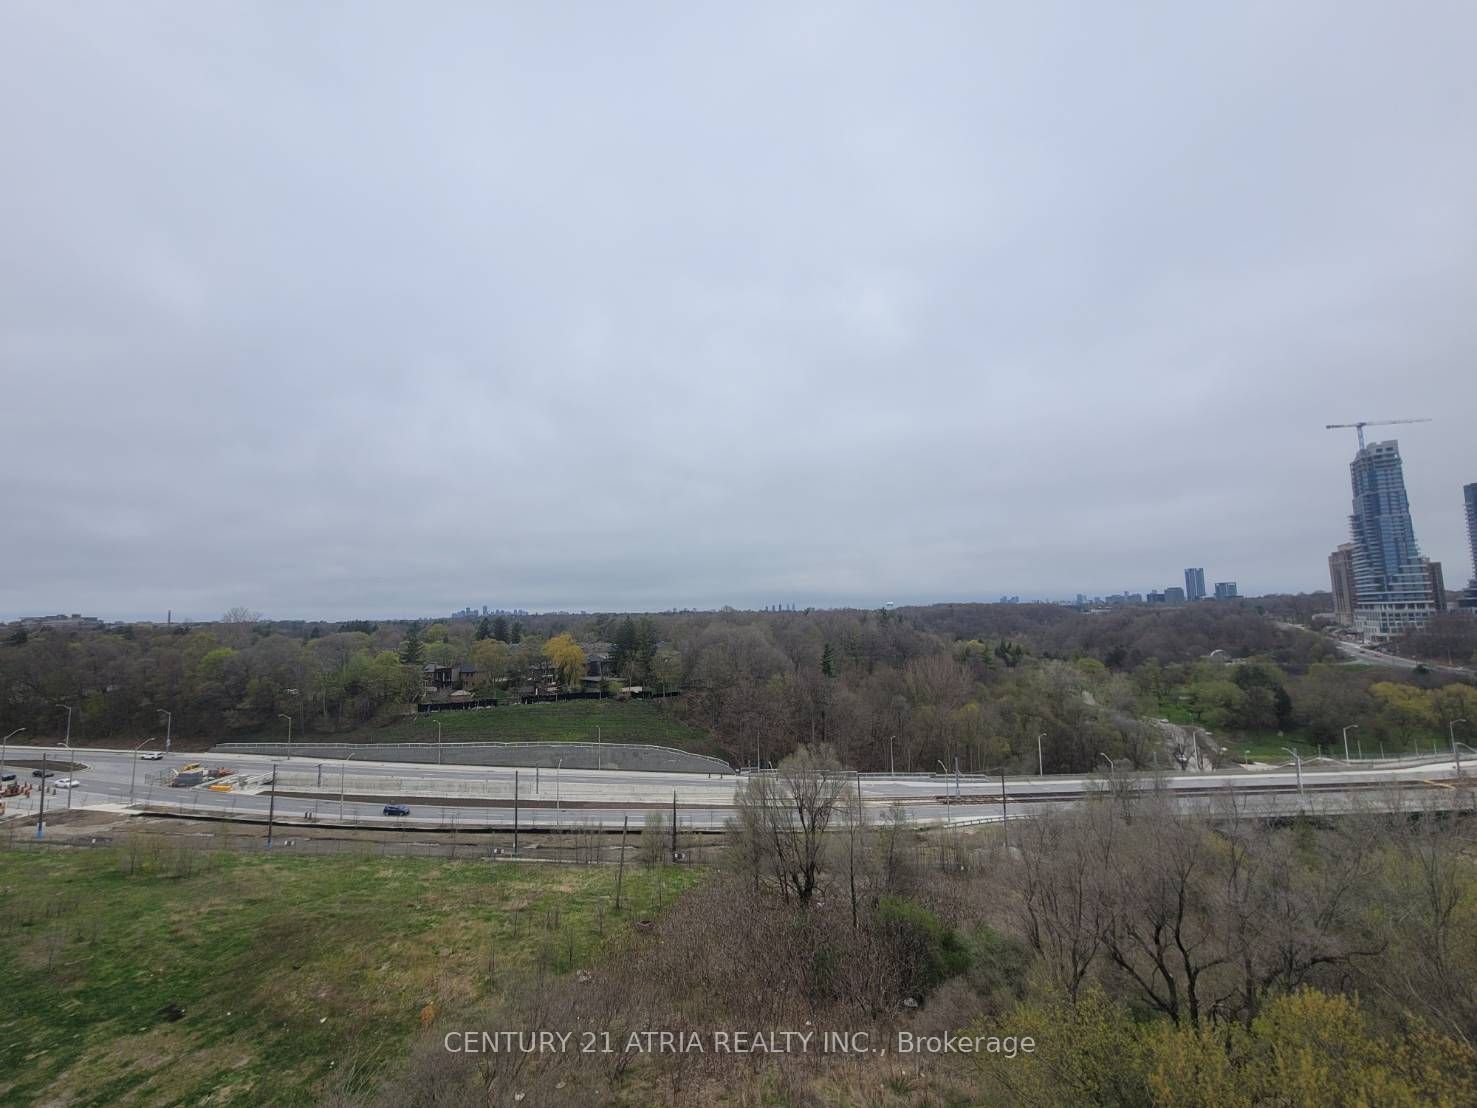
1040, 758
1450, 730
343, 769
891, 765
168, 726
288, 718
5, 742
1297, 761
134, 770
1105, 758
1351, 727
68, 707
558, 820
437, 722
302, 723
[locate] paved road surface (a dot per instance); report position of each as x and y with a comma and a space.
481, 796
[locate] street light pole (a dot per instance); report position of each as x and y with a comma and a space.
168, 726
5, 742
1297, 761
1105, 758
1450, 730
557, 818
891, 765
1040, 758
134, 770
288, 718
68, 707
343, 769
1351, 727
437, 722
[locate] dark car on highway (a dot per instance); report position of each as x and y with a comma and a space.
42, 773
396, 810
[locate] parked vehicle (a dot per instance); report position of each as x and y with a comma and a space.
7, 777
396, 810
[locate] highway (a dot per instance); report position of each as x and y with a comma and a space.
1373, 657
471, 797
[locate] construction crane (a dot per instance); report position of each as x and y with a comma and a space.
1363, 423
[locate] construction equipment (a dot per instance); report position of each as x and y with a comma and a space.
1363, 423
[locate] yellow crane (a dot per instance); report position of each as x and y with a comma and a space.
1363, 423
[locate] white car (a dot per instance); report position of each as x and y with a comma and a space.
66, 782
152, 756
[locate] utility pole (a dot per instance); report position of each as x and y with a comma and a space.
620, 871
1455, 750
41, 819
674, 826
1351, 727
1004, 810
271, 807
515, 811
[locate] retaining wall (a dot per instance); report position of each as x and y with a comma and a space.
627, 756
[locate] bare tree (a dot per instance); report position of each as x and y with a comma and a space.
782, 819
1063, 903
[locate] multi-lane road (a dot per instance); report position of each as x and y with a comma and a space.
355, 792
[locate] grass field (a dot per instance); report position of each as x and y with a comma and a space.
240, 979
630, 721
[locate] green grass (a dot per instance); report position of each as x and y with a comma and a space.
290, 971
1267, 746
631, 721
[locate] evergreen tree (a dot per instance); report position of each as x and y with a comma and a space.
500, 629
623, 647
515, 634
484, 629
647, 639
411, 650
828, 662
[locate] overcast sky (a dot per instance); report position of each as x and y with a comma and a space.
374, 310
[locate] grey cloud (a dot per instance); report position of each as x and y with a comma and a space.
386, 311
